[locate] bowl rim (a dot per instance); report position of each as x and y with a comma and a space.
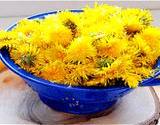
28, 76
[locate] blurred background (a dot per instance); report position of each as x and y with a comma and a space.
11, 11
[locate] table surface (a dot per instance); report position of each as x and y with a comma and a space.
6, 21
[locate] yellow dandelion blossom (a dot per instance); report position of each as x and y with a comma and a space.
140, 44
27, 26
26, 57
143, 53
132, 80
144, 72
114, 48
7, 39
132, 26
100, 13
79, 74
80, 49
152, 36
70, 20
57, 34
125, 71
114, 26
50, 19
108, 74
57, 52
54, 71
37, 39
93, 30
135, 20
144, 16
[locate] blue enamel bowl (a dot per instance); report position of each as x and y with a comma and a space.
74, 100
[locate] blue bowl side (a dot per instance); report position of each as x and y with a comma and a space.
77, 107
77, 101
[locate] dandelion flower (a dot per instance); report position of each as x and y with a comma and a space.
54, 72
26, 57
135, 20
81, 49
27, 26
79, 74
71, 21
114, 48
58, 34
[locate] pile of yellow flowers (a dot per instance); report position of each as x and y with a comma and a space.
101, 46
